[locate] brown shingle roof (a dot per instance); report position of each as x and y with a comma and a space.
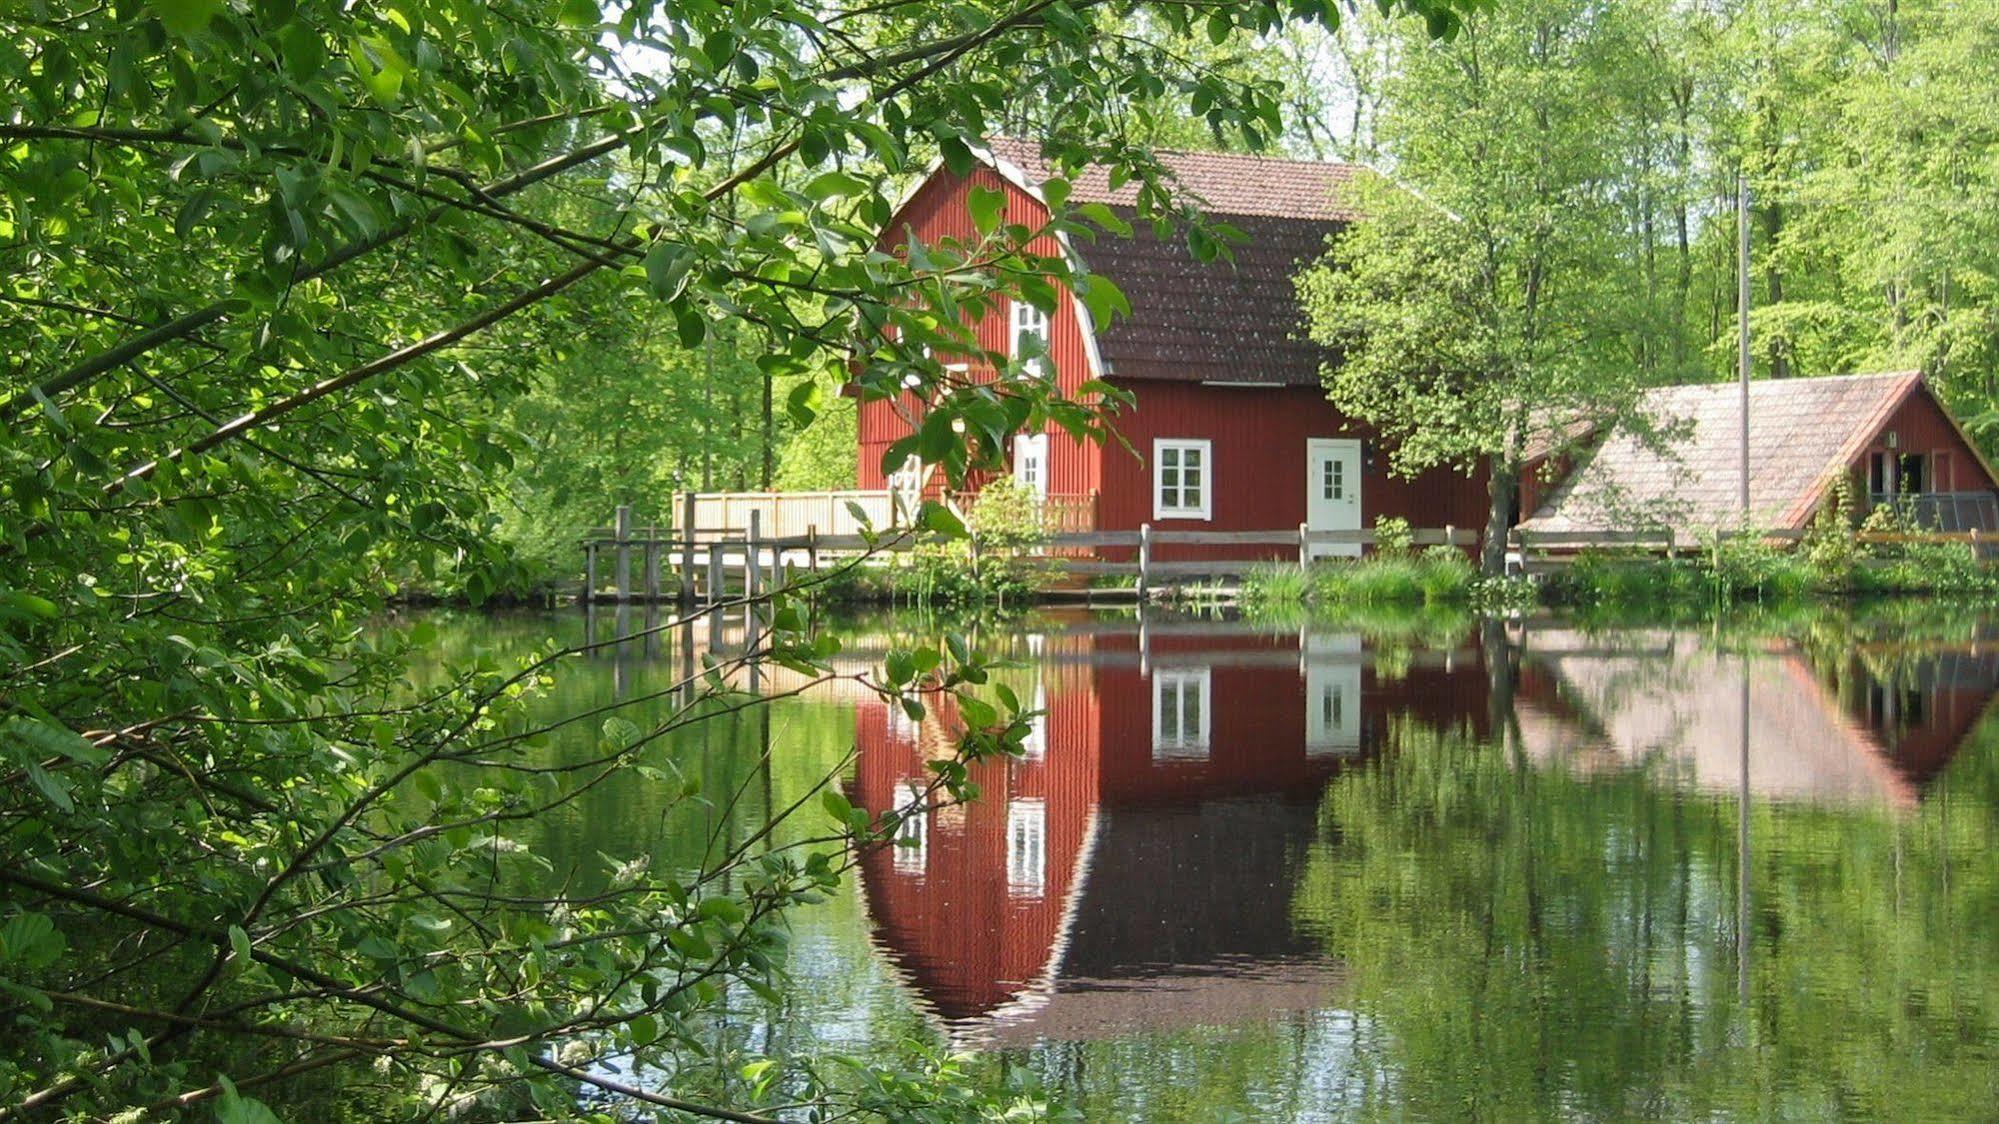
1802, 432
1222, 183
1234, 320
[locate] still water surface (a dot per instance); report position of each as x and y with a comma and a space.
1435, 870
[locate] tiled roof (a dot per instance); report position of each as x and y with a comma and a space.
1222, 183
1801, 432
1236, 320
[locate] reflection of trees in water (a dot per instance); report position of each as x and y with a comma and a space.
1526, 944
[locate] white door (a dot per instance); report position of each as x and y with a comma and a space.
1332, 492
1332, 694
1030, 463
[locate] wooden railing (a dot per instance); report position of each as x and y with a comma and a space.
709, 570
720, 515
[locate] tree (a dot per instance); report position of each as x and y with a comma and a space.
1482, 294
284, 272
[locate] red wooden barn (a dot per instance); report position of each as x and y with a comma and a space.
1231, 430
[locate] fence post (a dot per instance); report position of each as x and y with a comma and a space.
652, 564
974, 537
717, 580
687, 548
624, 548
589, 571
1671, 555
1304, 545
1451, 535
1144, 559
812, 549
752, 564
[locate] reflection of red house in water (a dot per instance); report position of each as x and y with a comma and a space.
1153, 831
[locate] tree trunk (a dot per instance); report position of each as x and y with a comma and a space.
1503, 490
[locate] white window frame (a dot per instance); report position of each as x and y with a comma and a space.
1180, 446
912, 831
1027, 847
1023, 319
1033, 445
1174, 742
906, 486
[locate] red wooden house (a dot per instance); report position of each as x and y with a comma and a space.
1231, 430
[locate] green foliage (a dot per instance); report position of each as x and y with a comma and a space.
1554, 899
1440, 575
311, 301
998, 563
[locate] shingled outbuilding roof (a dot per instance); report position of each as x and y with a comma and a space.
1228, 321
1803, 433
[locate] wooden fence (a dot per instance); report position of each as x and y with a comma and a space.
706, 568
1536, 552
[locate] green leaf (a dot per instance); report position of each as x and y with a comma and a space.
239, 943
836, 805
668, 267
936, 517
185, 17
581, 13
986, 205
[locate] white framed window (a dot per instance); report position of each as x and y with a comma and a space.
1027, 847
1181, 703
905, 487
912, 830
1028, 323
1183, 484
1030, 462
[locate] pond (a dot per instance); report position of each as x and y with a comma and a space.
1431, 868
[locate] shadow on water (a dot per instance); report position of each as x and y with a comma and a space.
1510, 869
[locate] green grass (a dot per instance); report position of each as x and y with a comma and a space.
1440, 576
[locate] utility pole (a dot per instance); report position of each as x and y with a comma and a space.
1742, 321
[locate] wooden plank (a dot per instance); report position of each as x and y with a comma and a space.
1227, 538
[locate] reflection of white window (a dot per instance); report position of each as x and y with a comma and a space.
1181, 482
1030, 463
1180, 703
1029, 338
905, 487
1035, 744
1026, 847
912, 833
1332, 694
901, 727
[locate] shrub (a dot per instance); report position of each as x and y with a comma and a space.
1393, 538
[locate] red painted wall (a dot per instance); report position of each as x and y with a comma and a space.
1258, 473
1921, 426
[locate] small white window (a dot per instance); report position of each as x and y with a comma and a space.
905, 487
1180, 706
912, 830
1333, 478
1030, 463
1027, 847
1028, 339
1182, 479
